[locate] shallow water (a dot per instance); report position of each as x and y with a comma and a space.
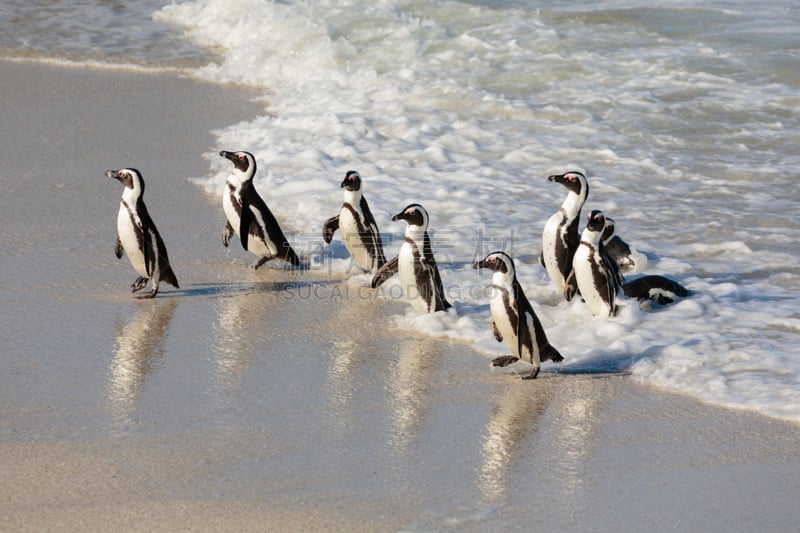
684, 118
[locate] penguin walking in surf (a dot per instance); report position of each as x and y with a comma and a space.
571, 285
597, 280
358, 228
513, 318
560, 236
419, 275
137, 235
249, 217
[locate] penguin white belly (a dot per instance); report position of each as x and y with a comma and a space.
502, 323
348, 227
549, 236
408, 280
127, 236
584, 263
230, 210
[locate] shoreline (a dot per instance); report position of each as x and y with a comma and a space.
233, 403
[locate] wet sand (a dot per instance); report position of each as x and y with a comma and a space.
287, 400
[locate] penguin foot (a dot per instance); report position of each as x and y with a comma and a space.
261, 261
504, 360
227, 233
532, 375
139, 283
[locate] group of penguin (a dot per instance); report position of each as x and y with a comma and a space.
588, 264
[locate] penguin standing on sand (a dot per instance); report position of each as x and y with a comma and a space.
513, 318
137, 235
249, 217
419, 275
596, 280
359, 230
560, 236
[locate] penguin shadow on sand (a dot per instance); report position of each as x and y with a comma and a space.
138, 347
516, 411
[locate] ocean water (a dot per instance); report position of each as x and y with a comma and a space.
686, 120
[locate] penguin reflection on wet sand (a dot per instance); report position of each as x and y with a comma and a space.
596, 279
137, 235
560, 236
357, 226
419, 275
513, 318
249, 217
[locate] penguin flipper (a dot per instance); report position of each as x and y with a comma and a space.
149, 253
245, 220
570, 287
504, 360
375, 242
328, 229
227, 233
429, 263
496, 332
388, 270
118, 248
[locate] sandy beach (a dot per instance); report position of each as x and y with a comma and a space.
285, 400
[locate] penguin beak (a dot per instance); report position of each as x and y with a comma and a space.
557, 178
113, 174
226, 154
480, 264
400, 216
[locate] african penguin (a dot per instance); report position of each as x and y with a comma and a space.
137, 235
571, 285
249, 217
644, 288
359, 230
513, 318
595, 279
560, 236
653, 287
419, 275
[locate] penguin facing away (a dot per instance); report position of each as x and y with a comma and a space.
596, 281
419, 275
560, 236
358, 228
249, 217
513, 318
138, 236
